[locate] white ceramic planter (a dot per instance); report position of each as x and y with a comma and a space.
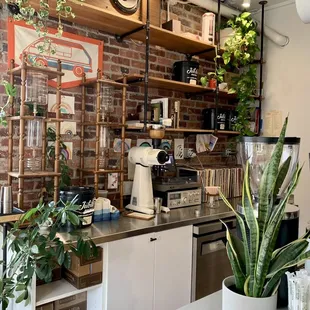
234, 301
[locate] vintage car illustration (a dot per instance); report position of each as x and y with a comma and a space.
73, 56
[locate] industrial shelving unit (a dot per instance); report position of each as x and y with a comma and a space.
122, 27
21, 174
98, 123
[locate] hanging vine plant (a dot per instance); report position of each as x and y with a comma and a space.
22, 10
240, 50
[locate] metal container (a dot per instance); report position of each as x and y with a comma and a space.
85, 200
158, 204
186, 71
6, 200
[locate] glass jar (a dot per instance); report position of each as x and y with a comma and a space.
37, 93
104, 146
107, 100
34, 144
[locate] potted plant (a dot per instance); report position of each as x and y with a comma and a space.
36, 249
257, 266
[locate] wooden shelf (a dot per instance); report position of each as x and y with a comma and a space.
35, 174
106, 82
28, 117
112, 125
10, 218
154, 82
52, 74
187, 130
101, 171
50, 292
99, 18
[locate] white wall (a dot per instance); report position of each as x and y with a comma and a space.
287, 88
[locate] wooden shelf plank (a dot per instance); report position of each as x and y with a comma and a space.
189, 130
97, 17
176, 42
50, 292
154, 82
29, 117
106, 82
112, 125
52, 74
10, 218
35, 174
101, 171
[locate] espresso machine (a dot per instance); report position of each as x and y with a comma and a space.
257, 151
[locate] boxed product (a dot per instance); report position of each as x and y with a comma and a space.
74, 302
49, 306
84, 272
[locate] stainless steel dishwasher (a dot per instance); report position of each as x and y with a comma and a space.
210, 262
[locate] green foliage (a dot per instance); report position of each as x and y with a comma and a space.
240, 50
38, 19
10, 91
35, 252
256, 264
65, 179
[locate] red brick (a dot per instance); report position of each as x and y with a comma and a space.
111, 50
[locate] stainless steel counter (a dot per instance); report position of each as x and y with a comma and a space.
125, 227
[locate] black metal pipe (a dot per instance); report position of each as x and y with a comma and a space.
262, 32
121, 37
217, 92
147, 54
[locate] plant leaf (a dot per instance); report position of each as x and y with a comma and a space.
243, 232
239, 276
270, 237
268, 181
272, 283
287, 255
253, 227
281, 177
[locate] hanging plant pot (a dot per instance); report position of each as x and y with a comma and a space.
235, 301
212, 83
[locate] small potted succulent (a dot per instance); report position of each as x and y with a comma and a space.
257, 266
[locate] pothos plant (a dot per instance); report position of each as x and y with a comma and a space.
240, 50
23, 10
37, 252
10, 91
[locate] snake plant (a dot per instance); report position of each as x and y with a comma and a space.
257, 266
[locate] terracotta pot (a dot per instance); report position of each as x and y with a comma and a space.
212, 83
234, 301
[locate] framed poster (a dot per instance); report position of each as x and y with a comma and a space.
78, 54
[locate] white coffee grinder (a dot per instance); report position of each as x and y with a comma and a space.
143, 158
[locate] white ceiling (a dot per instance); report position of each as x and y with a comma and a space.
254, 3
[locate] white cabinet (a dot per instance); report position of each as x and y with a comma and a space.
151, 271
173, 268
128, 273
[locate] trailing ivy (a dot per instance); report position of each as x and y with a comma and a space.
240, 50
38, 18
10, 91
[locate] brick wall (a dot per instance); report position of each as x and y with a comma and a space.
131, 55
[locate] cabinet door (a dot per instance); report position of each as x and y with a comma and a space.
173, 265
129, 273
